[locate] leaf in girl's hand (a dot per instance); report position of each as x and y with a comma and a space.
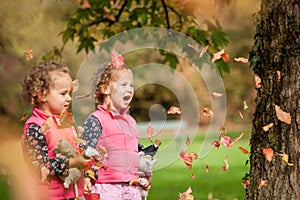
206, 168
28, 52
244, 151
269, 153
66, 119
267, 127
226, 167
174, 110
258, 83
237, 139
47, 124
240, 114
241, 59
24, 117
226, 140
83, 96
216, 95
217, 55
203, 50
262, 183
282, 116
188, 158
186, 195
75, 85
150, 132
245, 105
285, 158
207, 112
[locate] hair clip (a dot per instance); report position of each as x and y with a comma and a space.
116, 59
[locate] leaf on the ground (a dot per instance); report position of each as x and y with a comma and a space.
244, 151
207, 112
257, 80
150, 132
282, 116
216, 95
226, 166
174, 110
267, 127
216, 144
241, 59
188, 158
269, 153
186, 195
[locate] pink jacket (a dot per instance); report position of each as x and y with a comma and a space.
120, 137
54, 185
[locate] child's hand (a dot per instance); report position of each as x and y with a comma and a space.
78, 161
87, 185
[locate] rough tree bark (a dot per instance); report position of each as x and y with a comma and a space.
275, 58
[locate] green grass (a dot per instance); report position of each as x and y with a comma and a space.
169, 181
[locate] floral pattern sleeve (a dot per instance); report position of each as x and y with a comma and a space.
92, 131
35, 147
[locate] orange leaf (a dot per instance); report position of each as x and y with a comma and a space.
245, 183
237, 139
267, 127
188, 158
263, 183
216, 95
241, 59
244, 151
225, 57
66, 119
217, 55
257, 81
174, 110
282, 116
269, 153
207, 112
223, 129
28, 52
150, 132
186, 195
47, 124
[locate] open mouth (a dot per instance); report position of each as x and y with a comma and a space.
126, 98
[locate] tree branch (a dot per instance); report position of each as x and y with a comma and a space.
166, 13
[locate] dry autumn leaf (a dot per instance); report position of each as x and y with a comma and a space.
188, 141
225, 140
28, 52
237, 139
282, 116
226, 166
217, 55
66, 119
75, 85
47, 124
285, 158
245, 105
244, 151
245, 183
216, 95
174, 110
186, 195
241, 59
267, 127
225, 57
207, 112
203, 50
24, 117
188, 158
150, 132
223, 130
240, 114
258, 83
263, 183
216, 144
193, 176
269, 153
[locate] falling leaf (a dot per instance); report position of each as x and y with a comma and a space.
188, 158
75, 85
269, 153
263, 183
24, 117
285, 158
188, 141
193, 176
174, 110
278, 76
245, 183
244, 151
225, 140
226, 166
206, 168
240, 114
66, 119
217, 55
150, 132
257, 80
237, 139
225, 57
83, 96
282, 116
195, 47
216, 95
47, 124
203, 50
207, 112
117, 59
241, 59
223, 130
28, 52
267, 127
186, 195
245, 105
216, 144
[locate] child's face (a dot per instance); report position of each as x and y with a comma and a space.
121, 90
58, 98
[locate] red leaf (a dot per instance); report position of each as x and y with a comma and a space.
269, 153
92, 196
188, 158
225, 57
216, 144
206, 168
226, 141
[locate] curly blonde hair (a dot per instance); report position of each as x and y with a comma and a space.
38, 81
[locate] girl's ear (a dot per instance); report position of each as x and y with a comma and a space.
41, 97
105, 90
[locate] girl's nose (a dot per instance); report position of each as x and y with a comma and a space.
69, 98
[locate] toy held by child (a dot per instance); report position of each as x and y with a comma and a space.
47, 87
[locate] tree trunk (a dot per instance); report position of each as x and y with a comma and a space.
275, 58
